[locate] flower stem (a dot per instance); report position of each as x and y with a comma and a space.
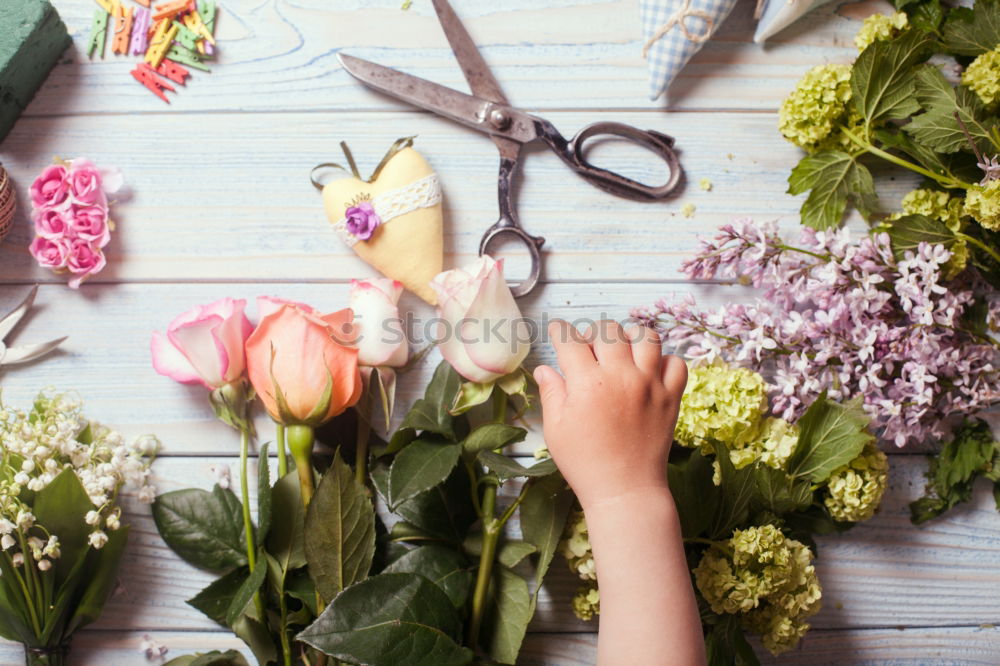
944, 181
491, 532
247, 521
300, 443
981, 245
364, 410
286, 647
279, 435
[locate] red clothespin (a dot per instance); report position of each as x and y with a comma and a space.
173, 71
123, 29
146, 75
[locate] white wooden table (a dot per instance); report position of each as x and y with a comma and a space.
221, 205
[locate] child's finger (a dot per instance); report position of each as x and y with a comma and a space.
646, 348
573, 352
551, 389
675, 374
610, 344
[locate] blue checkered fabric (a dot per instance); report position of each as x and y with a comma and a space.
667, 55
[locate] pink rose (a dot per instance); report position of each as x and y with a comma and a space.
85, 182
51, 187
89, 223
50, 252
51, 223
204, 345
380, 340
84, 260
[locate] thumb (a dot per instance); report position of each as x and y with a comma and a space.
551, 389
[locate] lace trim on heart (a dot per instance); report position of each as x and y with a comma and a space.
422, 193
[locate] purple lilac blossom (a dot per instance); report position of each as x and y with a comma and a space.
844, 316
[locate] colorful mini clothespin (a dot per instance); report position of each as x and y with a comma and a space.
140, 32
178, 53
169, 10
186, 37
106, 5
161, 42
207, 11
123, 29
144, 3
173, 71
146, 75
98, 32
195, 24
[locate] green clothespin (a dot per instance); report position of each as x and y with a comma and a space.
207, 10
98, 33
186, 37
184, 56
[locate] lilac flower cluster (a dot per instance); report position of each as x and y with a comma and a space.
844, 316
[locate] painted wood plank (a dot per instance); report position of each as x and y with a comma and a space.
564, 54
231, 201
884, 573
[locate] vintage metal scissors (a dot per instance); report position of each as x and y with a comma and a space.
22, 353
487, 110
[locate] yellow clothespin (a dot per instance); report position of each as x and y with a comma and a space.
196, 25
107, 5
160, 43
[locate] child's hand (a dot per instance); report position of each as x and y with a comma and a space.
610, 422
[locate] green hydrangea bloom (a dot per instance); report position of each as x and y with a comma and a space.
723, 403
809, 114
879, 27
982, 203
856, 489
587, 602
936, 204
575, 547
767, 578
983, 76
773, 445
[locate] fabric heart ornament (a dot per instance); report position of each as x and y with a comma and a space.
393, 219
779, 14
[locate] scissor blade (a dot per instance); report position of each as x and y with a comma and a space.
8, 323
25, 353
453, 104
477, 72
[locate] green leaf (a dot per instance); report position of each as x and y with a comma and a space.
924, 156
419, 467
829, 174
443, 512
257, 638
431, 413
697, 498
777, 492
882, 77
61, 507
216, 599
300, 586
204, 528
263, 496
907, 232
938, 129
927, 16
830, 435
513, 552
445, 567
470, 395
285, 541
340, 531
492, 436
213, 658
245, 592
507, 468
726, 644
511, 611
396, 618
101, 572
971, 32
543, 513
736, 492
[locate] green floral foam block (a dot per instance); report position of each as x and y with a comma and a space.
32, 37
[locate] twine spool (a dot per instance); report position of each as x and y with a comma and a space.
7, 203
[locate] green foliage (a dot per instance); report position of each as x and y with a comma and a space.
432, 412
510, 613
507, 468
492, 437
831, 435
831, 177
214, 601
937, 128
970, 32
213, 658
907, 232
245, 592
544, 510
445, 567
973, 453
263, 497
203, 528
882, 81
422, 465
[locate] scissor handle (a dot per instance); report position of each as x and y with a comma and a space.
572, 153
508, 226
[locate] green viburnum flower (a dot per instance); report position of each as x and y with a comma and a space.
982, 203
723, 403
773, 445
935, 204
766, 578
575, 547
983, 76
879, 27
817, 104
587, 602
856, 489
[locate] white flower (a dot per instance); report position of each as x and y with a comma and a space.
52, 547
36, 484
222, 476
98, 539
92, 518
146, 494
152, 648
7, 541
113, 522
147, 445
25, 519
28, 465
44, 565
6, 527
18, 559
22, 478
380, 339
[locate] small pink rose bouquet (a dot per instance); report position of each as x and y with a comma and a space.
69, 207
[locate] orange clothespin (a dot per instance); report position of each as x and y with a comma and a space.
144, 3
173, 71
146, 75
160, 44
170, 9
123, 29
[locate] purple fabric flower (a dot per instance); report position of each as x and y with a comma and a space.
362, 220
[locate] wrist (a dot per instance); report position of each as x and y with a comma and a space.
635, 498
